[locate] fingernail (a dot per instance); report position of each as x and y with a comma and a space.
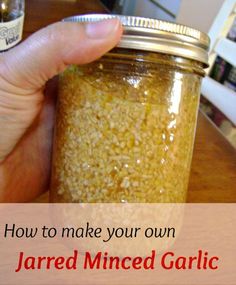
102, 29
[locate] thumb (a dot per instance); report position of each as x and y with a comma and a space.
50, 50
25, 69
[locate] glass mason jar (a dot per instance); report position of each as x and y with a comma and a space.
126, 123
11, 23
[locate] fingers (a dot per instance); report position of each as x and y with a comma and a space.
50, 50
25, 69
25, 173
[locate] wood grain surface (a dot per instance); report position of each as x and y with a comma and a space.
213, 173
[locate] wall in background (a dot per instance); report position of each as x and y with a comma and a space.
149, 8
191, 10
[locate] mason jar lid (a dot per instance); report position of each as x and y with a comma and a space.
155, 35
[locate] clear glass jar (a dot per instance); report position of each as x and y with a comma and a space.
11, 23
125, 128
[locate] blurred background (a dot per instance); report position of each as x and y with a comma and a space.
218, 19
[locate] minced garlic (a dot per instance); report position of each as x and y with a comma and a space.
124, 134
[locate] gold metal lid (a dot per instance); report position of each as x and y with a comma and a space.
156, 35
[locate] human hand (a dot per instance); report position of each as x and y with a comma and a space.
27, 112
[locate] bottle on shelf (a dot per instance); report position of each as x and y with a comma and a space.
11, 23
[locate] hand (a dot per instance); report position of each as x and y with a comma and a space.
26, 113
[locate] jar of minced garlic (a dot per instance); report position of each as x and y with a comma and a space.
126, 123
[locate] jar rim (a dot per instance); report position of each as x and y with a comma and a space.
156, 35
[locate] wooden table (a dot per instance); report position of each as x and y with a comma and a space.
213, 174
